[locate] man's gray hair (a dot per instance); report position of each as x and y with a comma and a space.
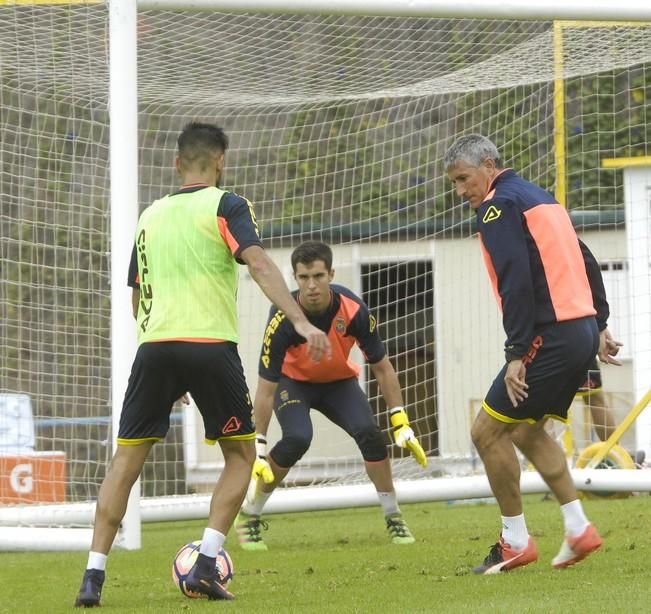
472, 149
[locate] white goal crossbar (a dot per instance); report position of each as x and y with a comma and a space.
193, 507
634, 10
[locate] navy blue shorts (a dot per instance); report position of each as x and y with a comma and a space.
163, 371
559, 357
342, 402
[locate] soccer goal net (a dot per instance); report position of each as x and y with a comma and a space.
338, 126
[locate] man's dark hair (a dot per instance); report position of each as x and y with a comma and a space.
200, 142
310, 251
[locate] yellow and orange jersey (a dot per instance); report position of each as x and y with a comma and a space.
347, 321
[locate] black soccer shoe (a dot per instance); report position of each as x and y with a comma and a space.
90, 591
203, 579
502, 557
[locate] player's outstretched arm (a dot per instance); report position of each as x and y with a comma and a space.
403, 434
267, 275
262, 410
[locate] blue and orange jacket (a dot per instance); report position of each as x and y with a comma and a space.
540, 271
346, 321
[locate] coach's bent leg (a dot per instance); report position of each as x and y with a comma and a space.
492, 439
233, 482
113, 497
548, 458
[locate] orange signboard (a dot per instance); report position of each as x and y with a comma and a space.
33, 478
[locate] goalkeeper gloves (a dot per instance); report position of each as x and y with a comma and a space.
404, 436
261, 466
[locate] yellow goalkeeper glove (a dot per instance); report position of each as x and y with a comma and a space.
404, 436
261, 466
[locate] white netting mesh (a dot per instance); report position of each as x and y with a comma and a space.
55, 236
338, 126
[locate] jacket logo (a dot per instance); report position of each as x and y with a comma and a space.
340, 325
491, 214
232, 425
536, 344
284, 395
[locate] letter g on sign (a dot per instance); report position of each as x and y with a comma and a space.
21, 479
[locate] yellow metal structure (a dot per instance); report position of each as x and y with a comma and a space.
626, 423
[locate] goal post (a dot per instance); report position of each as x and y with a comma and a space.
123, 164
338, 121
122, 212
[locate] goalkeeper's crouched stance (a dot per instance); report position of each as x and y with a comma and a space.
290, 385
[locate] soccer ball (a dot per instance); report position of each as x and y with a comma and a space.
185, 558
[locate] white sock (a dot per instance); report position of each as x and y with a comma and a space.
211, 542
389, 503
514, 531
574, 518
96, 560
254, 508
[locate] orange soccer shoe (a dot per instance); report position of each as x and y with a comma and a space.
504, 558
575, 549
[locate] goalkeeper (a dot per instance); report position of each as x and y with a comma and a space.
291, 384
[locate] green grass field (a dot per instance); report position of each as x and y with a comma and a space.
342, 562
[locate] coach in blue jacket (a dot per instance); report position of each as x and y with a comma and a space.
549, 287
